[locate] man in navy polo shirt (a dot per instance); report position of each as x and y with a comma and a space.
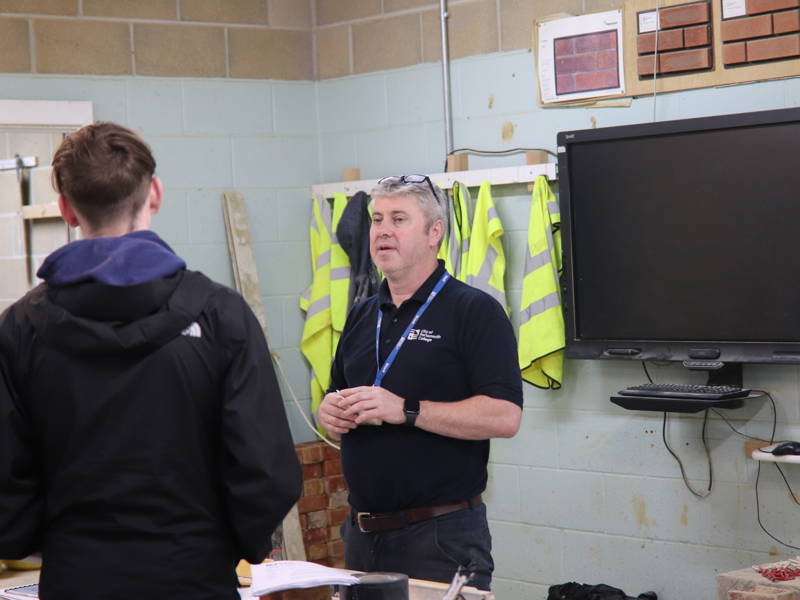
433, 362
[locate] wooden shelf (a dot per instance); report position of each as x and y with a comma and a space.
498, 176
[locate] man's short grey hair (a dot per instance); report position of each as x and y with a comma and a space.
433, 203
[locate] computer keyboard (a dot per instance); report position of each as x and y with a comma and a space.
676, 390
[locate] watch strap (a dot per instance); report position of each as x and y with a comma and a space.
411, 410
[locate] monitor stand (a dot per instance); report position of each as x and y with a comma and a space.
727, 374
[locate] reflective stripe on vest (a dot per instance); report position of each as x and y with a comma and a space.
486, 261
541, 330
340, 274
317, 341
456, 244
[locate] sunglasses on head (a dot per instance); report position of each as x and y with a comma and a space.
412, 179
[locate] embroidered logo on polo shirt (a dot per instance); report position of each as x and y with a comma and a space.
423, 335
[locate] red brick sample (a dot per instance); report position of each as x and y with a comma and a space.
323, 506
684, 41
769, 35
586, 62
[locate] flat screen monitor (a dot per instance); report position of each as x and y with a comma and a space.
682, 239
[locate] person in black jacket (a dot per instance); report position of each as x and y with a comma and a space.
144, 446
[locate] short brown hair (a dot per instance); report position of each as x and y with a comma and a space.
104, 170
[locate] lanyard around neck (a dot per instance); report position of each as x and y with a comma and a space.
382, 370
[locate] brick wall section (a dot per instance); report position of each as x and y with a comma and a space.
323, 506
769, 31
586, 62
268, 39
684, 41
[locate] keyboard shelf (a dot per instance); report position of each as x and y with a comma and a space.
681, 405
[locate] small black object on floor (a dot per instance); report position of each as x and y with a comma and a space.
583, 591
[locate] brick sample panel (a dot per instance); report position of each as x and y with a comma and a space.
323, 505
587, 62
684, 41
769, 31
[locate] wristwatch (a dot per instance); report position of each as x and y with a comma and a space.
411, 409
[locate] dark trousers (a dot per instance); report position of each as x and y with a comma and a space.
431, 549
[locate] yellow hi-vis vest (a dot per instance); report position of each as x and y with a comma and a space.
455, 245
541, 330
486, 261
317, 340
340, 274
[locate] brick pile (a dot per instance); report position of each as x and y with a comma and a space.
769, 31
586, 62
684, 41
323, 505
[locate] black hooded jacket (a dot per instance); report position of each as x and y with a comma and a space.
144, 446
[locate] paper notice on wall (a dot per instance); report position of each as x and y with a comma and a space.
733, 8
648, 21
580, 57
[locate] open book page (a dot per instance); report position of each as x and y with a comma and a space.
290, 574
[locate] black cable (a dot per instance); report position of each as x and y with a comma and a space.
496, 152
751, 437
675, 456
680, 464
646, 372
758, 473
758, 513
786, 481
728, 423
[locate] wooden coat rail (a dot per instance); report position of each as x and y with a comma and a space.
499, 176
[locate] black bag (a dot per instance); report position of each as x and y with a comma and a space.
583, 591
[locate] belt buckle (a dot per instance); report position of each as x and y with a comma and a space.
360, 518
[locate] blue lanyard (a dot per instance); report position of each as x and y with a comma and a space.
390, 359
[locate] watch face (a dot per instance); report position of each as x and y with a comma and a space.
411, 406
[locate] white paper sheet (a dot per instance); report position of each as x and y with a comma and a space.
291, 574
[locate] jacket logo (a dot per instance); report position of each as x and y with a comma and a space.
193, 330
423, 335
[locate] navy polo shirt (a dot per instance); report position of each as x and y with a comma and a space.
462, 346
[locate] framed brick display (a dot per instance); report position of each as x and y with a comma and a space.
754, 31
580, 57
702, 43
709, 43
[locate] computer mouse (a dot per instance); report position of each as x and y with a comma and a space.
787, 448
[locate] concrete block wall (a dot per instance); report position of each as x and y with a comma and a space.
208, 136
280, 39
361, 36
173, 38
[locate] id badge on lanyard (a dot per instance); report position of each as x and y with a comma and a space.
383, 369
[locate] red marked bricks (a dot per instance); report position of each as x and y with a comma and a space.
684, 41
323, 506
769, 32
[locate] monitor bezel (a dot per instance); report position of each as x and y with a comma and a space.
744, 351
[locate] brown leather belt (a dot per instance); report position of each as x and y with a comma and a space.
369, 522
